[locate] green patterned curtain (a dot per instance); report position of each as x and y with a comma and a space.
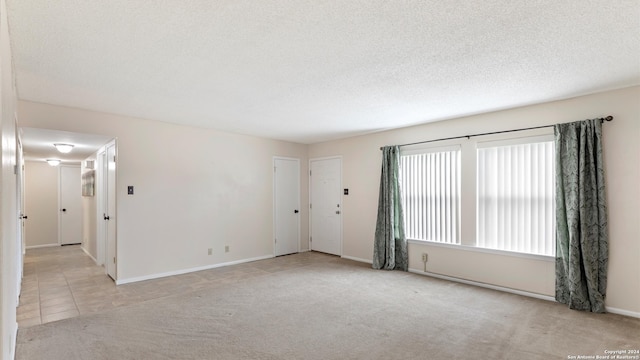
581, 216
390, 244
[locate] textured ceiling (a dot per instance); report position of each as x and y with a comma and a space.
308, 71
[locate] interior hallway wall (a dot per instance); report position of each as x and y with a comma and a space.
41, 204
361, 174
195, 189
9, 244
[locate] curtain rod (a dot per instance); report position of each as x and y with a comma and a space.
608, 118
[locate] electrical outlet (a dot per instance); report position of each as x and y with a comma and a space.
226, 248
210, 251
424, 257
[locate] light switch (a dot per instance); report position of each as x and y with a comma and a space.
130, 190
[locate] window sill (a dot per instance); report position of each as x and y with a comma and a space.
484, 250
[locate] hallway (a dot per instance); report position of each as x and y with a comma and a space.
63, 282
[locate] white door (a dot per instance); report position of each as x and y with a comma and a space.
326, 205
110, 216
286, 198
70, 205
101, 208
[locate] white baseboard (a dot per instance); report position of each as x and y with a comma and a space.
190, 270
14, 342
611, 310
484, 285
622, 312
41, 246
89, 255
414, 271
357, 259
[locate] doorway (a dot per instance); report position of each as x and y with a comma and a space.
43, 185
286, 205
325, 205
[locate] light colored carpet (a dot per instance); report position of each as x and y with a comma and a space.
333, 309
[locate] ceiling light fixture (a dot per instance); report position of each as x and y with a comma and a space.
63, 148
53, 162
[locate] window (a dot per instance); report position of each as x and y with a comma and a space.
514, 205
515, 196
430, 183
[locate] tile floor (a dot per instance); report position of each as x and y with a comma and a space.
63, 282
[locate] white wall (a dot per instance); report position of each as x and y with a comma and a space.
8, 196
361, 164
194, 189
41, 203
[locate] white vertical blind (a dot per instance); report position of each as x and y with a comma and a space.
515, 198
431, 195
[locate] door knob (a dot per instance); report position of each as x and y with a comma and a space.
104, 216
295, 211
338, 212
64, 210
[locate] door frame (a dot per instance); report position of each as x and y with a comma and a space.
112, 199
336, 157
102, 203
274, 199
20, 241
